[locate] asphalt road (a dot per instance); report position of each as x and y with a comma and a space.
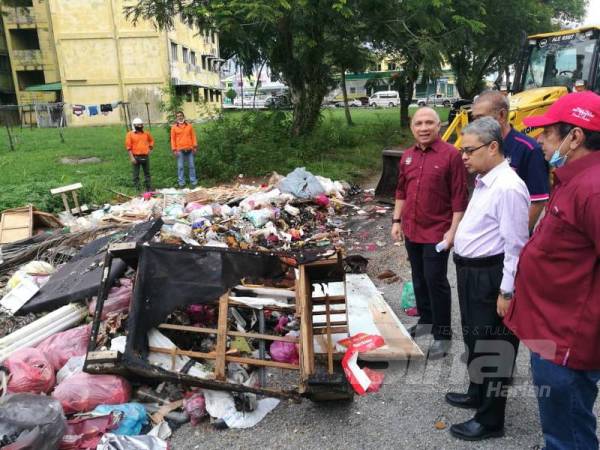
403, 414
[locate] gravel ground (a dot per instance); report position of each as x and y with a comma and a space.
404, 412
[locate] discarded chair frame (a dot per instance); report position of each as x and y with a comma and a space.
320, 376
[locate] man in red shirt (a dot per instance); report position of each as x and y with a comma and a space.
556, 308
431, 198
139, 144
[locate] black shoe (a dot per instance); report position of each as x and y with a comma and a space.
439, 349
472, 430
462, 400
419, 330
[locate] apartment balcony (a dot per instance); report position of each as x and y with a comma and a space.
27, 58
18, 15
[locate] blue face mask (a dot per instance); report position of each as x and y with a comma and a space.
557, 159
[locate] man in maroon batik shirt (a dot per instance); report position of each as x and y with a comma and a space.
556, 306
431, 198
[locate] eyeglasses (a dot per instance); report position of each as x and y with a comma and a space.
470, 150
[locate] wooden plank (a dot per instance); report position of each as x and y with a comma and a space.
329, 323
221, 347
16, 224
70, 187
266, 337
304, 309
237, 359
333, 300
333, 312
329, 340
334, 330
368, 312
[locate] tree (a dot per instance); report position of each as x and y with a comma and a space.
490, 34
293, 37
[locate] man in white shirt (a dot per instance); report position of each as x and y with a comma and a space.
486, 251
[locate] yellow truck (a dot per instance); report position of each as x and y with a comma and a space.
553, 65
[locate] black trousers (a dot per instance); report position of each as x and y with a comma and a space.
432, 290
144, 163
492, 348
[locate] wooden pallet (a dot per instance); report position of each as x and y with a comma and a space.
16, 224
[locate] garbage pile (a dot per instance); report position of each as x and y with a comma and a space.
48, 397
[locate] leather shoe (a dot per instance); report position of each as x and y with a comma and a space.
419, 330
462, 400
472, 430
439, 349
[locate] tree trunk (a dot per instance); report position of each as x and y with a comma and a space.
345, 94
256, 86
405, 91
307, 99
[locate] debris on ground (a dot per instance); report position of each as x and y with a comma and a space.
205, 305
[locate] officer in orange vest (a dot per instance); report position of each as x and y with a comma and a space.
184, 146
139, 144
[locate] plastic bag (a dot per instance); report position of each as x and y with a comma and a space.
133, 420
74, 365
30, 371
286, 352
59, 347
82, 392
114, 442
118, 300
408, 295
195, 406
85, 432
301, 184
39, 414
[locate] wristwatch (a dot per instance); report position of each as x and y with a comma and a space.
506, 295
396, 220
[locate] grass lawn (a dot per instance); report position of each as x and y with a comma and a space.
336, 150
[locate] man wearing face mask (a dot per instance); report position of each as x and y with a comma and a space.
139, 144
556, 308
184, 146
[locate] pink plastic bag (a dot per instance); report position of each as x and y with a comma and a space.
82, 392
30, 371
118, 300
286, 352
195, 406
59, 347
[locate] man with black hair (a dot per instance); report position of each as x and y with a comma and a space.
556, 308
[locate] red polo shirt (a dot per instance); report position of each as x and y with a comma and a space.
556, 309
433, 185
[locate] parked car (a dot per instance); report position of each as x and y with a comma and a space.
278, 102
359, 101
436, 100
385, 98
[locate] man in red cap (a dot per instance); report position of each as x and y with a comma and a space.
556, 306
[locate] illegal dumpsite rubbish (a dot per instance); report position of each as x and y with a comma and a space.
207, 303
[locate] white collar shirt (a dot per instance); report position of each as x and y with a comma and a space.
496, 220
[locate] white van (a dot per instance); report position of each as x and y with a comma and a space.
384, 98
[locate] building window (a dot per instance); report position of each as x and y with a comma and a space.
186, 55
212, 93
203, 62
391, 66
378, 67
196, 93
213, 37
193, 58
24, 39
205, 94
4, 64
353, 90
174, 52
26, 78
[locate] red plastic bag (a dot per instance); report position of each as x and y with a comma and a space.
195, 406
59, 347
366, 380
118, 299
82, 392
30, 371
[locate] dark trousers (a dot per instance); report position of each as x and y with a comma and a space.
492, 348
432, 290
144, 163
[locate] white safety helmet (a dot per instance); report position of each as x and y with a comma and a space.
137, 121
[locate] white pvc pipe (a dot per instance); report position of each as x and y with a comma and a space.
42, 322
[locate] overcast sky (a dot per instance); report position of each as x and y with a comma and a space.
593, 13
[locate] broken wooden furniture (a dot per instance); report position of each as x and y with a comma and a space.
63, 191
213, 275
16, 224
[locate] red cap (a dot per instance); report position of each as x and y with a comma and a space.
581, 109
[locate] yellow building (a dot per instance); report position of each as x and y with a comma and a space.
7, 90
106, 70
